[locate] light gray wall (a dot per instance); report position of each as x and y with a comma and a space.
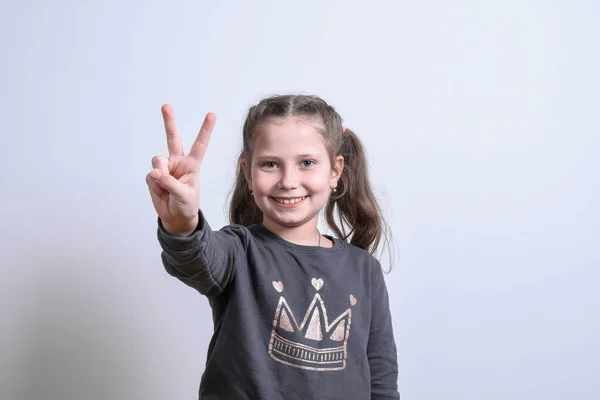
481, 120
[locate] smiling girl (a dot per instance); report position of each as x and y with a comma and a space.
297, 314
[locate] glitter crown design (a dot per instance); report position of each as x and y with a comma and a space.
314, 344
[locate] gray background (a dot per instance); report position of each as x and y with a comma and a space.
481, 120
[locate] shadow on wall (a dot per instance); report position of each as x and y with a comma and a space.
73, 339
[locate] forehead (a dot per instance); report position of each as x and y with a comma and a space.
289, 136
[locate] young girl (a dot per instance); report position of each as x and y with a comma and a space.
297, 314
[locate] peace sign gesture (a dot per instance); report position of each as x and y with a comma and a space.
174, 181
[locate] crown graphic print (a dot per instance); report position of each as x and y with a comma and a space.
314, 344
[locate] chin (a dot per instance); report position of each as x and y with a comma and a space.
289, 222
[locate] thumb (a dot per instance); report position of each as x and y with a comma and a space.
167, 182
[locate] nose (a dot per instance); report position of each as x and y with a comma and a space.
289, 178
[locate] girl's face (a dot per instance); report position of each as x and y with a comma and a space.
291, 174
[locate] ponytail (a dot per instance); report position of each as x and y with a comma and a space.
360, 218
243, 209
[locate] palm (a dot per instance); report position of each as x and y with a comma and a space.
176, 194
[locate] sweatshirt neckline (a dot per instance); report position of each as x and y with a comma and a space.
337, 243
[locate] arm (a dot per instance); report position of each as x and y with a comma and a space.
381, 349
206, 260
194, 253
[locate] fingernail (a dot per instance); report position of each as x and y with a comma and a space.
155, 174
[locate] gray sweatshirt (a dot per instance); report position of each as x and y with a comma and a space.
290, 321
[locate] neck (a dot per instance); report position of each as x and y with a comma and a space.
306, 234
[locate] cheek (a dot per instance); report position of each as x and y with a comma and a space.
263, 181
319, 181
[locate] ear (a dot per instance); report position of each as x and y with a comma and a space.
247, 173
336, 170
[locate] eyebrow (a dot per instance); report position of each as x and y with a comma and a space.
275, 157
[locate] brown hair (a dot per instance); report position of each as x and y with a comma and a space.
359, 217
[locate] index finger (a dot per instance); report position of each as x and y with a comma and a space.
201, 143
173, 139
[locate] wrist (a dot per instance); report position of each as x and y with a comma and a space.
182, 229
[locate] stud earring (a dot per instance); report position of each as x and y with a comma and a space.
333, 189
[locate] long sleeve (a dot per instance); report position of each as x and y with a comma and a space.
207, 260
381, 349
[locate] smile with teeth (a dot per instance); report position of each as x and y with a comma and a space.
289, 201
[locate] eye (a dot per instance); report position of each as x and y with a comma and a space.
307, 163
269, 164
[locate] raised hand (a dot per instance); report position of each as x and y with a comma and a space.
174, 182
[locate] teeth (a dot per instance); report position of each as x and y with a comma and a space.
290, 201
